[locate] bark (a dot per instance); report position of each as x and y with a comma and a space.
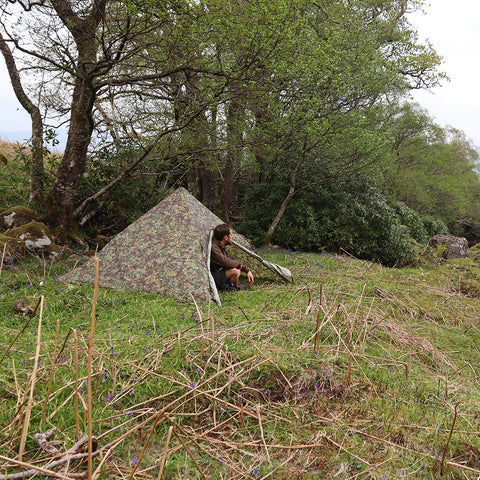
291, 192
235, 117
60, 201
37, 172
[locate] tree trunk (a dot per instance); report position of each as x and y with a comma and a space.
235, 116
60, 200
37, 172
291, 192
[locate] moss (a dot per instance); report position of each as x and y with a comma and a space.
14, 248
474, 253
34, 228
16, 216
11, 242
35, 235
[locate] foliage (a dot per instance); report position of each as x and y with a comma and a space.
434, 226
351, 215
412, 220
228, 85
432, 170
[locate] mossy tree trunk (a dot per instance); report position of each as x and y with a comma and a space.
60, 200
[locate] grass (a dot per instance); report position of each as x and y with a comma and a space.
354, 371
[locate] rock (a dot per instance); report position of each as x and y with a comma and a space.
16, 217
34, 235
455, 247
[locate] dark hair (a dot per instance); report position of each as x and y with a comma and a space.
221, 230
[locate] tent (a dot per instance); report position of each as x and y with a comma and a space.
167, 251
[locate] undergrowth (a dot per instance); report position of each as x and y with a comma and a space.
353, 371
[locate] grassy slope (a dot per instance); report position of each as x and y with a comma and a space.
241, 391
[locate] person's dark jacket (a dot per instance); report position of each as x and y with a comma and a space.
220, 258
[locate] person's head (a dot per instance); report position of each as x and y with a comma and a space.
221, 231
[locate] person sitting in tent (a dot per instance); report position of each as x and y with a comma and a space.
225, 269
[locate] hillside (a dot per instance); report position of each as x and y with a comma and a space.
7, 148
354, 371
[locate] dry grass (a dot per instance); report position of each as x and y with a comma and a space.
8, 148
334, 380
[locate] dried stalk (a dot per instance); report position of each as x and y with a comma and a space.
449, 438
317, 331
21, 331
52, 374
165, 453
77, 420
262, 435
28, 413
3, 257
89, 370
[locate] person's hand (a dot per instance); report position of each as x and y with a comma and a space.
250, 277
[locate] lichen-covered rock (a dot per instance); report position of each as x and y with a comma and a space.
34, 235
455, 247
16, 217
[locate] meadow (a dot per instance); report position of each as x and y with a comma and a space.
352, 371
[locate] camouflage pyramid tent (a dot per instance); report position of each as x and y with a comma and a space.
167, 250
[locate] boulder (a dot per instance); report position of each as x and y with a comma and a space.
16, 217
34, 235
455, 247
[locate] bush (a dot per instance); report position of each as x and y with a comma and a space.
412, 220
350, 215
434, 226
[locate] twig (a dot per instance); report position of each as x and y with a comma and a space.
165, 453
69, 456
261, 433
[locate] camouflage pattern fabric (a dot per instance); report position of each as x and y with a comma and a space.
164, 251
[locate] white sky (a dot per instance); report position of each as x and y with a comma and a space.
453, 28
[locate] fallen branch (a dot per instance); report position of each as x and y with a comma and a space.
71, 455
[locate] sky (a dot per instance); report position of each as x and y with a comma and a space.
452, 27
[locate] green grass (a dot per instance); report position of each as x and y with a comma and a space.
241, 391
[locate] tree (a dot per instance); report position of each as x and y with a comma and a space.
37, 173
348, 60
432, 169
231, 86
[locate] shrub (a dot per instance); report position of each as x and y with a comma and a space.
412, 220
434, 226
350, 215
